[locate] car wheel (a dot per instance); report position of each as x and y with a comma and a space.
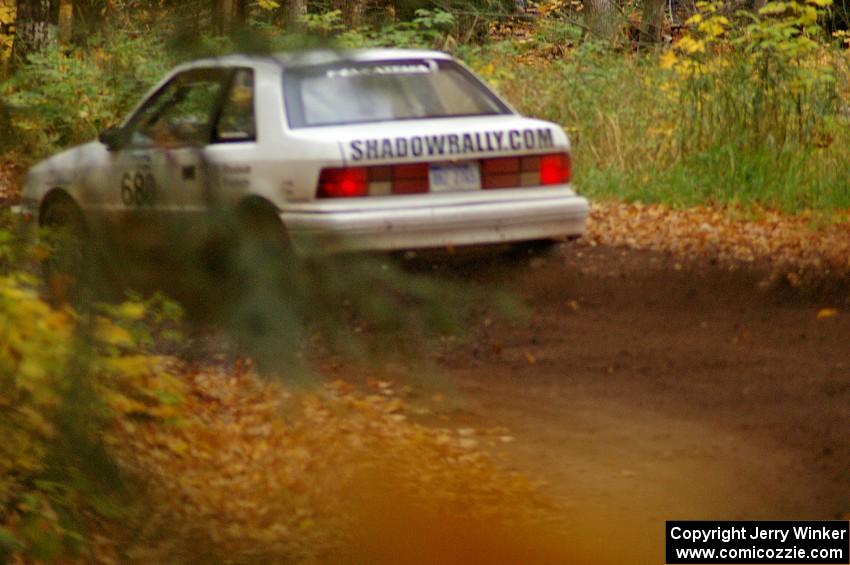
262, 295
68, 263
260, 227
534, 248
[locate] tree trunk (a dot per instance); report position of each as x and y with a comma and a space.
352, 10
34, 28
652, 21
230, 14
224, 15
90, 17
295, 10
601, 18
66, 21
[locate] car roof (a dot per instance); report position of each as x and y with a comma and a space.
310, 57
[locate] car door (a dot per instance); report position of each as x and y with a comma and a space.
160, 171
230, 156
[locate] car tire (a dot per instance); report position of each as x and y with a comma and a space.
534, 248
236, 239
68, 267
259, 291
258, 245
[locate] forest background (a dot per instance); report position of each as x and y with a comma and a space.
740, 105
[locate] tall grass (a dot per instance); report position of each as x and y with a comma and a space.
740, 119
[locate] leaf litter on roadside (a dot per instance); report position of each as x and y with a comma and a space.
254, 471
796, 248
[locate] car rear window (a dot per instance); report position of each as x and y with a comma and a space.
354, 93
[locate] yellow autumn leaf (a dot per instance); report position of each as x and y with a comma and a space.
773, 8
131, 311
131, 366
689, 45
36, 420
7, 20
177, 446
394, 405
468, 443
108, 332
123, 404
668, 60
826, 313
714, 27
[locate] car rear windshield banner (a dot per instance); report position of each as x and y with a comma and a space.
451, 145
758, 542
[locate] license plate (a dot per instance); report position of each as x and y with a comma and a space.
446, 178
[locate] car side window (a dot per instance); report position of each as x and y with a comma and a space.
181, 113
237, 121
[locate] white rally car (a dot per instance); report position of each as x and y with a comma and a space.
362, 150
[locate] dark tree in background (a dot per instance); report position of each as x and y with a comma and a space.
230, 14
652, 21
35, 27
352, 11
601, 18
66, 20
295, 9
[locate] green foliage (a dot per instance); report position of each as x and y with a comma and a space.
748, 109
35, 490
428, 29
19, 250
64, 378
324, 23
769, 80
473, 18
98, 84
556, 33
492, 63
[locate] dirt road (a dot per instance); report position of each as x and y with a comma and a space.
643, 388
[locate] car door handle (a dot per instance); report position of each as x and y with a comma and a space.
188, 172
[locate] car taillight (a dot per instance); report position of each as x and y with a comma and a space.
410, 179
517, 172
555, 169
505, 172
414, 178
344, 182
380, 180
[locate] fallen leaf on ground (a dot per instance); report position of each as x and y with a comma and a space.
789, 245
826, 313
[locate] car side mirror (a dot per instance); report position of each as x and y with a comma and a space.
113, 138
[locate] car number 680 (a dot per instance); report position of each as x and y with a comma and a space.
138, 189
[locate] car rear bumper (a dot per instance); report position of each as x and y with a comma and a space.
469, 223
